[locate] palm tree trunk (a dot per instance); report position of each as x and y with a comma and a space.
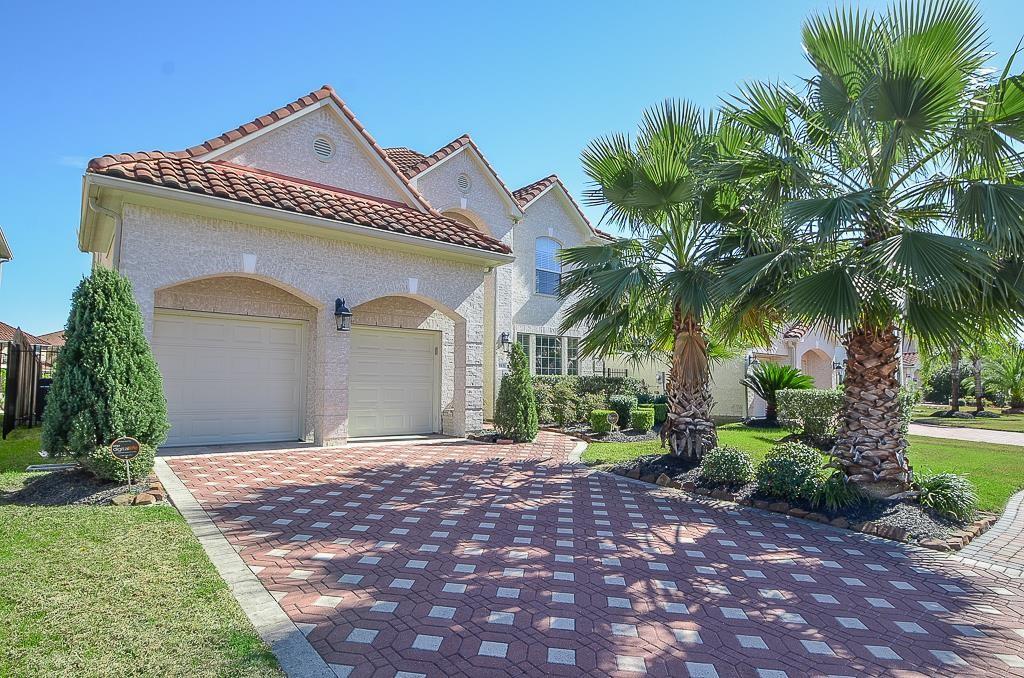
688, 428
870, 444
954, 378
979, 384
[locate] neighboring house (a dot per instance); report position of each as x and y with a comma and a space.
237, 249
53, 338
5, 253
7, 333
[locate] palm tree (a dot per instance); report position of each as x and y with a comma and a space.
768, 378
1005, 374
652, 294
890, 186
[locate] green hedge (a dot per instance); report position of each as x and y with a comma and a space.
623, 405
789, 471
660, 413
642, 419
812, 411
599, 421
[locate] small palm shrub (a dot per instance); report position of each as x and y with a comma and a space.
599, 421
788, 471
948, 494
835, 492
769, 378
726, 466
642, 419
623, 405
515, 412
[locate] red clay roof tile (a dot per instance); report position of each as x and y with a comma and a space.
530, 192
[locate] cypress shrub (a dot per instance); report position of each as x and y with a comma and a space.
515, 412
105, 382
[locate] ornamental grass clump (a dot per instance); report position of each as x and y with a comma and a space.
106, 383
789, 471
835, 492
948, 494
726, 466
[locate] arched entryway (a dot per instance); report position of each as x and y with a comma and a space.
818, 365
234, 352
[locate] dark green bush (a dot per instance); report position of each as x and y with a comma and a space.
599, 421
949, 494
642, 419
105, 465
564, 403
105, 383
789, 471
660, 412
542, 393
623, 405
587, 403
726, 466
515, 412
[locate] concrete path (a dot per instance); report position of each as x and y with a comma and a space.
979, 435
465, 559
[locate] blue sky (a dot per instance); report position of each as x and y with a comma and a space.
532, 82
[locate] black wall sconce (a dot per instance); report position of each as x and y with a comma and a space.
506, 341
342, 315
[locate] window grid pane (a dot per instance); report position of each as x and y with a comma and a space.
524, 341
572, 350
549, 270
549, 354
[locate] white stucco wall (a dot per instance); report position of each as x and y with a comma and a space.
288, 150
161, 248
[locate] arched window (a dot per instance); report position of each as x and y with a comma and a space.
549, 270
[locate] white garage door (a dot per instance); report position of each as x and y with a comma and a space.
230, 379
393, 382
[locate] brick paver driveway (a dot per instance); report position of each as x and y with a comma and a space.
462, 559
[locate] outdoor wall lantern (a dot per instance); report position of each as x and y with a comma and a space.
506, 341
342, 316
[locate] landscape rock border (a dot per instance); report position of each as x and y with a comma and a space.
154, 494
954, 542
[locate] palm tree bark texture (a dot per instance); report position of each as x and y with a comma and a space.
870, 443
688, 428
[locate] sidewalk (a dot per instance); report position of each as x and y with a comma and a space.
979, 435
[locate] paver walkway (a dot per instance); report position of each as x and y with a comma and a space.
470, 559
980, 435
1003, 545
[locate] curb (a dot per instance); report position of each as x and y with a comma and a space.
294, 653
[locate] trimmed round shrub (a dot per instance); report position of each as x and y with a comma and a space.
660, 413
948, 494
811, 411
642, 419
104, 465
788, 471
726, 466
599, 421
623, 405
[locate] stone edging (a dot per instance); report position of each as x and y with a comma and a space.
293, 651
955, 542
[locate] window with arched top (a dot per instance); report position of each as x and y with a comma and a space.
549, 270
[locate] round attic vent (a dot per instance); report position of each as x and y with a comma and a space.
323, 148
462, 181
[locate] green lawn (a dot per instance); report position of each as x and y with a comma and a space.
110, 591
20, 449
1005, 422
996, 470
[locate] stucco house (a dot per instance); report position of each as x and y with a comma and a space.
243, 250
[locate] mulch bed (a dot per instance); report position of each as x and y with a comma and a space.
900, 520
73, 487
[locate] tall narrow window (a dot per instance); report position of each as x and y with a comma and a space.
524, 342
549, 270
572, 353
549, 355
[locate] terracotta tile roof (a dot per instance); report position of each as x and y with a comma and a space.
795, 331
7, 334
910, 359
245, 184
303, 102
404, 158
531, 192
53, 338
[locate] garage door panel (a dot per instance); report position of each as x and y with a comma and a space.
230, 379
393, 382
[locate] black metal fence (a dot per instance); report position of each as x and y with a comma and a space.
26, 372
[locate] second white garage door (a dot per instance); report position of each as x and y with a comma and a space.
230, 379
394, 382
